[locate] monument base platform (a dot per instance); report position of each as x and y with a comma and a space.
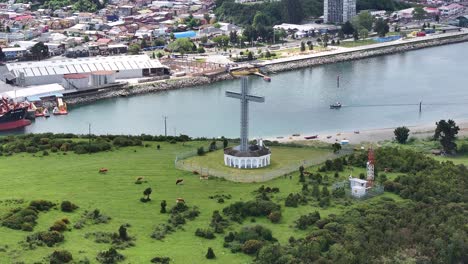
256, 157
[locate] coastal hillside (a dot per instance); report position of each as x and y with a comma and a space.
65, 199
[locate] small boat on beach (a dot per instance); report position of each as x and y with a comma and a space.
296, 135
328, 137
311, 137
267, 79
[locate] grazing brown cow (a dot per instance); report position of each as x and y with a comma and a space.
204, 177
180, 200
103, 170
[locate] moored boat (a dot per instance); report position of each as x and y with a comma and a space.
311, 137
61, 108
13, 115
336, 105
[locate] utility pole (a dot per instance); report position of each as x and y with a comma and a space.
89, 137
165, 126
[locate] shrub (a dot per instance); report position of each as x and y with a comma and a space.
41, 205
68, 206
210, 254
60, 256
161, 231
252, 246
21, 219
59, 226
205, 233
49, 238
200, 151
305, 221
109, 256
160, 260
275, 216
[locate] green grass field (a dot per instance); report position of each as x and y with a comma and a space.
357, 43
75, 178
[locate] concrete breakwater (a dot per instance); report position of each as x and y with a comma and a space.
365, 52
143, 88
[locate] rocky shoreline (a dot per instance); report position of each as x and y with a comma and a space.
272, 67
363, 53
143, 88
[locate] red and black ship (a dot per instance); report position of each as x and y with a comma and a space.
13, 115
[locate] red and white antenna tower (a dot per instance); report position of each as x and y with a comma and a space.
370, 167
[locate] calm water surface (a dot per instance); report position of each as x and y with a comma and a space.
374, 91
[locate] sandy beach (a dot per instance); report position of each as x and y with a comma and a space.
370, 136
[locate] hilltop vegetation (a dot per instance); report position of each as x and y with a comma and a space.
57, 208
288, 11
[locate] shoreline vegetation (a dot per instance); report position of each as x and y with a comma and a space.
278, 65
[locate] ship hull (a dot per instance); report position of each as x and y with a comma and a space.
14, 119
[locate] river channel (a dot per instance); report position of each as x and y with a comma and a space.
376, 93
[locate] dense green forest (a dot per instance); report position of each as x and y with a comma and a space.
288, 11
431, 226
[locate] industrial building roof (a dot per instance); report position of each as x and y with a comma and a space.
82, 65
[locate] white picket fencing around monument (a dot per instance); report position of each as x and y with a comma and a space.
238, 175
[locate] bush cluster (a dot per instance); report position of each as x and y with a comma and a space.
239, 210
60, 256
25, 218
110, 256
305, 221
68, 206
60, 225
250, 239
93, 217
218, 223
294, 199
161, 231
161, 260
205, 233
48, 238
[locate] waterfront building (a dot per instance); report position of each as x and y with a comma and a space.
338, 11
53, 71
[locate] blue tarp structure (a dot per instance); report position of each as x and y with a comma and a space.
386, 39
186, 34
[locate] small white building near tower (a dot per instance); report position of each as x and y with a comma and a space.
358, 187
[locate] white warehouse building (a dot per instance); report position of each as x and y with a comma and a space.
53, 71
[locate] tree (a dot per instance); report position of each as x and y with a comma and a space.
206, 16
316, 191
364, 20
200, 49
325, 192
341, 34
86, 38
446, 132
233, 37
437, 18
221, 40
347, 28
250, 56
159, 55
210, 254
225, 143
381, 27
134, 49
8, 30
2, 55
163, 207
401, 134
143, 43
292, 11
40, 51
355, 35
158, 42
302, 46
260, 20
325, 40
182, 45
123, 233
147, 192
364, 33
336, 147
419, 13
